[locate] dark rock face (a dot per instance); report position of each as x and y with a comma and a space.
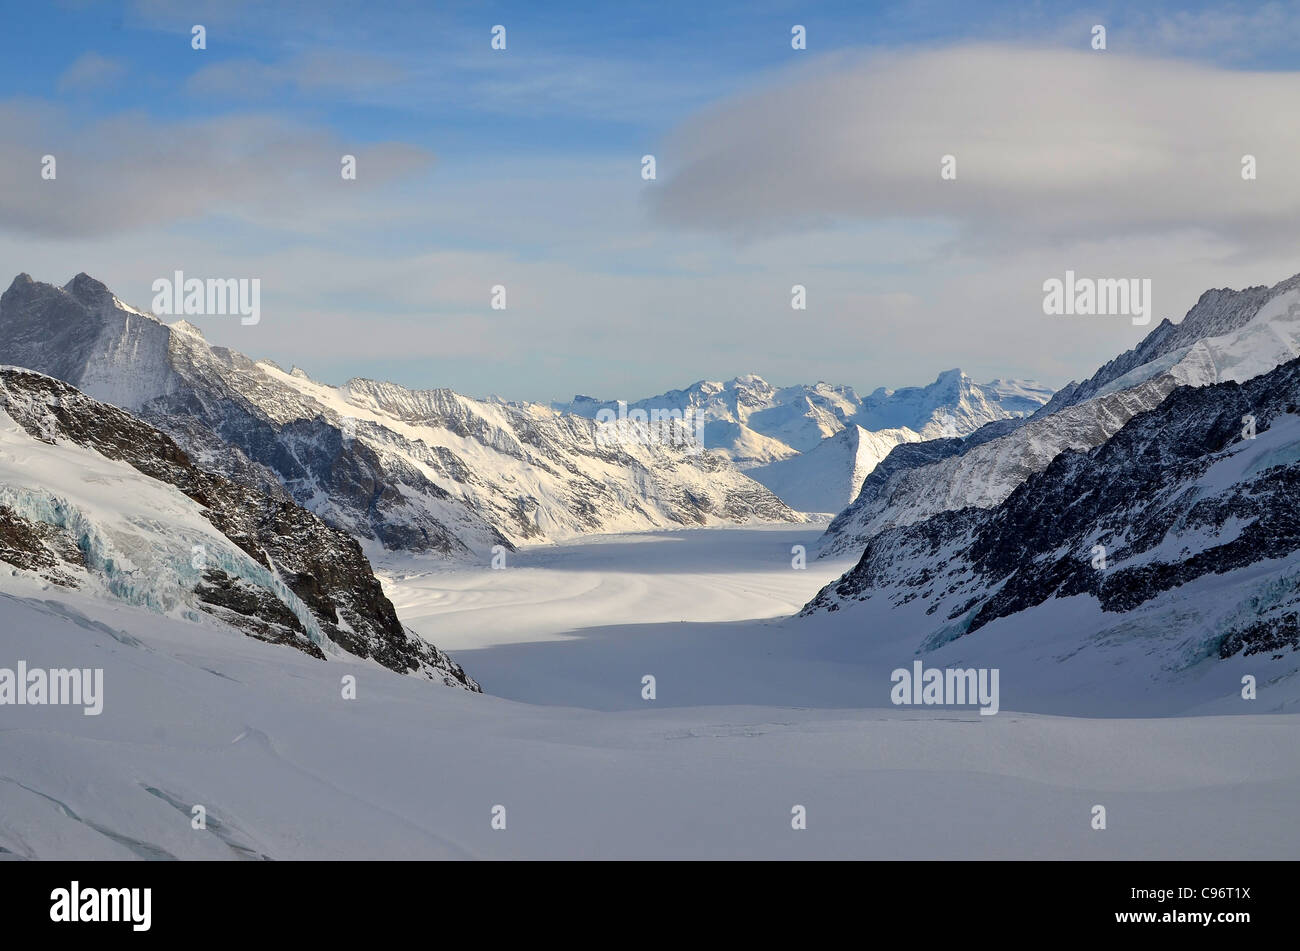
1264, 636
323, 566
254, 610
1142, 495
51, 327
38, 547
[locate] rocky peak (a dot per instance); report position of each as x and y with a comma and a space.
88, 291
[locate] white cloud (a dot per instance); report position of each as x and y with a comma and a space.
1050, 145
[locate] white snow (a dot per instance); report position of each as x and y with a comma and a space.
286, 768
548, 593
829, 476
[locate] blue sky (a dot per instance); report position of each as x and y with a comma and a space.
775, 166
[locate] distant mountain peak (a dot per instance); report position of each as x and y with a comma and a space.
88, 290
814, 444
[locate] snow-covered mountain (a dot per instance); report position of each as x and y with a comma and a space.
92, 499
1213, 320
415, 470
827, 477
953, 405
1228, 335
747, 417
814, 445
1170, 545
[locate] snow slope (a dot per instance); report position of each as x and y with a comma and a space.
136, 533
1218, 313
547, 592
288, 769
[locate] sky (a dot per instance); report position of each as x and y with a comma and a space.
522, 167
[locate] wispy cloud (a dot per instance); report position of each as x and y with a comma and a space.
318, 71
1226, 33
91, 71
130, 171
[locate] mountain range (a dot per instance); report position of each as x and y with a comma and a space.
814, 445
424, 471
